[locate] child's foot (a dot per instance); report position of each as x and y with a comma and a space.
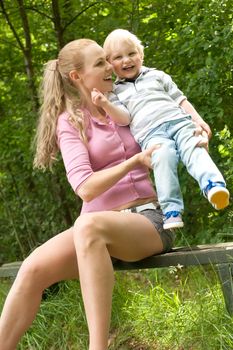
172, 219
218, 196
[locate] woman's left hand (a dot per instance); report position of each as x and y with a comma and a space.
145, 156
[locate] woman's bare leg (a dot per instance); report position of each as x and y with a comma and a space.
97, 236
54, 261
125, 236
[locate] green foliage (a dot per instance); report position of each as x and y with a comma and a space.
191, 40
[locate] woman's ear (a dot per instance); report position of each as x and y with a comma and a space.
74, 75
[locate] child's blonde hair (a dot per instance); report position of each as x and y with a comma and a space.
116, 37
58, 94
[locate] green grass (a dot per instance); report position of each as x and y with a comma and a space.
175, 309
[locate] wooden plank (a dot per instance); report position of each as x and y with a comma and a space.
220, 255
10, 270
186, 256
225, 277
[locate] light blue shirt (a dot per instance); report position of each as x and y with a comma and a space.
151, 99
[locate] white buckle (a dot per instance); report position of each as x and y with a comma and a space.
128, 210
142, 207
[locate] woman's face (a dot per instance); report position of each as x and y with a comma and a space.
97, 71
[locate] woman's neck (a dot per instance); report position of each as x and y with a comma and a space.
95, 111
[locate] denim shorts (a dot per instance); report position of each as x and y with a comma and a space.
156, 218
153, 213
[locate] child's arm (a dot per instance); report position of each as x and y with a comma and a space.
173, 91
118, 115
188, 107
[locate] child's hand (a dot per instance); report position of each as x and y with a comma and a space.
204, 140
98, 98
202, 128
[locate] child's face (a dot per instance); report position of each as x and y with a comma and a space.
126, 60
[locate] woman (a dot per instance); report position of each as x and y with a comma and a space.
119, 218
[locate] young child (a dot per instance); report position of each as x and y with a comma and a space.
159, 114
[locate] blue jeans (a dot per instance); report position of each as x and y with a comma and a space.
178, 142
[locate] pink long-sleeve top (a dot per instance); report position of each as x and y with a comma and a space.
108, 145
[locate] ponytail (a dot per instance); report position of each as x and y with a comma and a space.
58, 94
53, 104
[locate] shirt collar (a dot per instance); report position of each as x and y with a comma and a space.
96, 120
143, 71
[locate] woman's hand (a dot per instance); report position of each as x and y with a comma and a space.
145, 156
100, 181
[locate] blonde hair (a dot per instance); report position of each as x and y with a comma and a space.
117, 36
58, 94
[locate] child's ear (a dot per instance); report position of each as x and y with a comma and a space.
74, 75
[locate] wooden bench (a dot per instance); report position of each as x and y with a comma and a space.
220, 256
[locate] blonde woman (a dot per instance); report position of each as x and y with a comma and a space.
120, 217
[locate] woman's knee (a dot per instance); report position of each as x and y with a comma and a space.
89, 230
31, 275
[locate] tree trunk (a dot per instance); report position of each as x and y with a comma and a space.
28, 55
57, 23
26, 49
